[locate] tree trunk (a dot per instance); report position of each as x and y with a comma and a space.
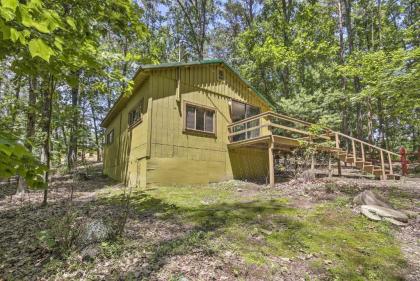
286, 9
344, 120
95, 127
47, 93
30, 125
72, 152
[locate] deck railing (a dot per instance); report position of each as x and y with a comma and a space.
275, 124
271, 123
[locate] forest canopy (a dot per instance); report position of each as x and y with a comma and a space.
346, 64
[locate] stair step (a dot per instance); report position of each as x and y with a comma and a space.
393, 177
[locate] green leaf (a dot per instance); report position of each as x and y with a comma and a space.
6, 32
14, 34
7, 14
37, 47
41, 26
70, 21
58, 42
26, 17
10, 4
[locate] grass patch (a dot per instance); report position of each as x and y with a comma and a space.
346, 245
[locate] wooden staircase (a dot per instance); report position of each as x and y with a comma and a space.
358, 158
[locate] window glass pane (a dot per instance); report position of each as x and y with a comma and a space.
238, 111
251, 110
199, 125
190, 117
221, 74
209, 121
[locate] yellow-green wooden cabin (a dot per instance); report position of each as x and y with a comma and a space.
173, 128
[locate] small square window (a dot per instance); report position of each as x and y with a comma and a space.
221, 74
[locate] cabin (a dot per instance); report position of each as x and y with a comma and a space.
173, 128
201, 122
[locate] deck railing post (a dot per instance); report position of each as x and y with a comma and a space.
353, 146
390, 164
363, 153
271, 161
383, 165
337, 145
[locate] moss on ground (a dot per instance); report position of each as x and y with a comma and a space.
344, 245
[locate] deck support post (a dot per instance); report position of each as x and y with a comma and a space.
329, 166
271, 162
383, 165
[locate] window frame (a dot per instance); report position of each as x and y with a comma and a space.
138, 107
107, 138
206, 109
219, 71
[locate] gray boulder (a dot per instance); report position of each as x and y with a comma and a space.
369, 197
378, 213
93, 231
90, 253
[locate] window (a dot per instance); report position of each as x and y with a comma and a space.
110, 137
240, 110
221, 74
134, 116
198, 118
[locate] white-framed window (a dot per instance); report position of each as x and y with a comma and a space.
199, 118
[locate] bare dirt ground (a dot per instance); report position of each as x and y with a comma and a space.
222, 233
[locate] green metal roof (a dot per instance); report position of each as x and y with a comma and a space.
203, 62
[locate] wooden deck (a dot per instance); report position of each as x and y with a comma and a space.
277, 132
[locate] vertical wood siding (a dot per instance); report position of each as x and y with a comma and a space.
178, 157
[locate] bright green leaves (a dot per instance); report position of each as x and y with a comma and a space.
58, 43
38, 48
8, 9
70, 21
30, 25
15, 159
10, 4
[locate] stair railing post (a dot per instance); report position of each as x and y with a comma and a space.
363, 153
383, 165
337, 145
391, 172
353, 145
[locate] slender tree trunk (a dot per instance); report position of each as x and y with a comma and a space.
72, 152
47, 94
345, 106
370, 120
16, 104
286, 9
380, 23
30, 125
95, 127
381, 124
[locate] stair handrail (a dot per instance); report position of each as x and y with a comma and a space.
365, 143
